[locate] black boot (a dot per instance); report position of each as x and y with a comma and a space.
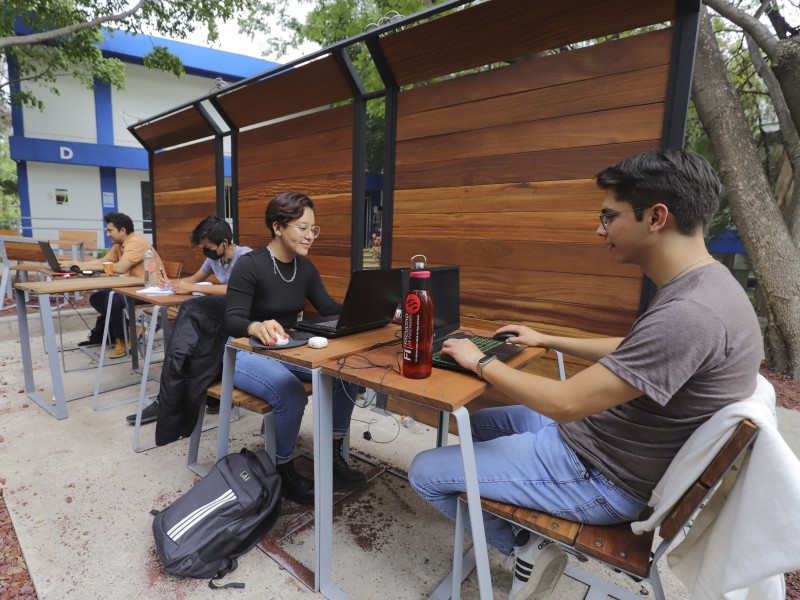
342, 473
294, 486
96, 334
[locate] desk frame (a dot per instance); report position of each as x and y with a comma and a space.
58, 406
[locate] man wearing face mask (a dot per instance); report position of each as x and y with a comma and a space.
214, 237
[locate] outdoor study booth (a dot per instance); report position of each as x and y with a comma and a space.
498, 115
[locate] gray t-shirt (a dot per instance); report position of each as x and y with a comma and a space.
223, 271
696, 349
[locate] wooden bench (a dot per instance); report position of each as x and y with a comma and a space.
248, 402
617, 546
22, 256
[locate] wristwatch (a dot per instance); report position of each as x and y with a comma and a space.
482, 362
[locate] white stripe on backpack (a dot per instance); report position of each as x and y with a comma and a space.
198, 515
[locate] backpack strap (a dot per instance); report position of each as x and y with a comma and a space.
232, 564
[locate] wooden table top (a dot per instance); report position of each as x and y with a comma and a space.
78, 284
156, 299
311, 358
443, 390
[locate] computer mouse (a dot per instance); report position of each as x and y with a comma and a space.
75, 269
282, 340
318, 342
505, 336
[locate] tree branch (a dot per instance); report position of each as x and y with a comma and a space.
37, 38
757, 30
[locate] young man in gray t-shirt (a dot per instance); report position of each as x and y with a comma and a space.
592, 448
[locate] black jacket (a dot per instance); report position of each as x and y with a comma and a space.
192, 362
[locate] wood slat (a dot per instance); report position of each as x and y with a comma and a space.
573, 226
647, 86
617, 545
306, 87
561, 257
469, 38
577, 194
266, 150
561, 530
744, 433
591, 290
300, 126
619, 56
596, 320
633, 124
181, 127
548, 165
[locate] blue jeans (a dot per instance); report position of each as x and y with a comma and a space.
521, 459
273, 381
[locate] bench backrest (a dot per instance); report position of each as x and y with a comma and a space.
743, 436
15, 249
89, 238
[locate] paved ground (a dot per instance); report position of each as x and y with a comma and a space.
79, 498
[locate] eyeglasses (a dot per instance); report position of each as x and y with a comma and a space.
605, 218
305, 230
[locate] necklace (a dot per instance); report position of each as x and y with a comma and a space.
687, 267
227, 263
278, 271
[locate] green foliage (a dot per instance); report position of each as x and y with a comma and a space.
76, 54
332, 21
9, 195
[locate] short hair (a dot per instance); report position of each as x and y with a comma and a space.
682, 180
214, 228
119, 220
286, 207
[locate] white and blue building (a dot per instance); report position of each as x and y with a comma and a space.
76, 159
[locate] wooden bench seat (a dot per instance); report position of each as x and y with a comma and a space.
247, 401
616, 545
243, 400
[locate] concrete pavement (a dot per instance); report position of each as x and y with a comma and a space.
80, 499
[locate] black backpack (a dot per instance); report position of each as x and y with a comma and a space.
220, 518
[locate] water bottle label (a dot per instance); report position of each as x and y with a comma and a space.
413, 304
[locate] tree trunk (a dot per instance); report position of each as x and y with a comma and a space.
762, 229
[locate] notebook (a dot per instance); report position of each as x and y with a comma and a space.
52, 261
489, 346
370, 301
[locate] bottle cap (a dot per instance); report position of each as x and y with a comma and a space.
419, 274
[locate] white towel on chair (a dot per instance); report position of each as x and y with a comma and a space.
747, 536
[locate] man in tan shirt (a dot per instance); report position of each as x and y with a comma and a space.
127, 254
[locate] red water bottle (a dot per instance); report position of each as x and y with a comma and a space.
418, 327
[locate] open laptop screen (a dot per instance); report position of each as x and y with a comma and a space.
446, 294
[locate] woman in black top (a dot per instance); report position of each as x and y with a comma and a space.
267, 289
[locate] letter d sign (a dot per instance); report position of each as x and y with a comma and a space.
65, 153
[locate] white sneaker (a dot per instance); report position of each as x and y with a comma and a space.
538, 567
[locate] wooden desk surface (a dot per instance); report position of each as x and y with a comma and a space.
156, 299
312, 358
443, 390
78, 284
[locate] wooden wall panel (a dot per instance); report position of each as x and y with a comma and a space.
312, 154
302, 88
495, 172
184, 194
469, 38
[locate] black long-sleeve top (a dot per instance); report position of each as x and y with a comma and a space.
257, 293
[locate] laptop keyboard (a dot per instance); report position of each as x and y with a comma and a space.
485, 344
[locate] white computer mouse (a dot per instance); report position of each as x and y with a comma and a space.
318, 342
282, 340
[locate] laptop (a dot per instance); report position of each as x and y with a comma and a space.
371, 299
446, 292
52, 261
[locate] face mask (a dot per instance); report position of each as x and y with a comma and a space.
211, 254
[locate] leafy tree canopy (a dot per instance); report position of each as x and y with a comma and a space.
45, 39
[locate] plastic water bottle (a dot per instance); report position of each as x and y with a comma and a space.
150, 268
418, 327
